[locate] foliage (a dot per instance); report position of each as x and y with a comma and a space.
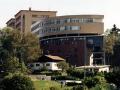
24, 46
17, 47
91, 81
104, 86
13, 65
80, 87
63, 65
112, 46
17, 82
76, 73
113, 77
110, 41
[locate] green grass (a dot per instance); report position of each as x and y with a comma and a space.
44, 85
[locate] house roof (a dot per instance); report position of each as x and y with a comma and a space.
55, 57
50, 58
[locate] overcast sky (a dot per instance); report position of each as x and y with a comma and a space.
109, 8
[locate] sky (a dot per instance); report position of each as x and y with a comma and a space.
109, 8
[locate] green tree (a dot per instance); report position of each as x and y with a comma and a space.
13, 43
112, 46
63, 65
90, 81
113, 77
16, 82
110, 42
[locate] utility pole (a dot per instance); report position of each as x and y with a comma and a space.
85, 58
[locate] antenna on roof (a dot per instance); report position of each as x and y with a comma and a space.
29, 8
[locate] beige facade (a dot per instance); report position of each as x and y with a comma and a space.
71, 24
25, 18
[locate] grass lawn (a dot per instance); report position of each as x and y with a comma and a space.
44, 85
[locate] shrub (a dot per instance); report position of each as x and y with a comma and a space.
91, 81
104, 86
80, 87
17, 82
113, 77
76, 73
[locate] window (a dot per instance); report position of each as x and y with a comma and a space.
31, 65
47, 64
87, 20
35, 27
58, 22
34, 15
67, 20
44, 16
37, 64
33, 22
37, 33
56, 64
75, 27
62, 28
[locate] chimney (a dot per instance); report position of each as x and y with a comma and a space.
29, 8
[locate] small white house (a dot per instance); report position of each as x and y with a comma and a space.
99, 68
48, 61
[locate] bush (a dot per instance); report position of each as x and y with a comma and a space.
104, 86
80, 87
91, 81
17, 82
113, 77
76, 73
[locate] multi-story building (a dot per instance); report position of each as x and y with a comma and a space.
73, 37
25, 18
11, 23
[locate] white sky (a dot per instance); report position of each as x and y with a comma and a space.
109, 8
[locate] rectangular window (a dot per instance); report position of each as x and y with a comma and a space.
37, 65
33, 22
75, 27
47, 64
58, 22
62, 28
34, 15
31, 65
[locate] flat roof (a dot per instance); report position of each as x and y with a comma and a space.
93, 66
10, 20
79, 15
33, 11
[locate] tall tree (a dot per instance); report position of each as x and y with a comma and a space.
63, 65
13, 43
112, 44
